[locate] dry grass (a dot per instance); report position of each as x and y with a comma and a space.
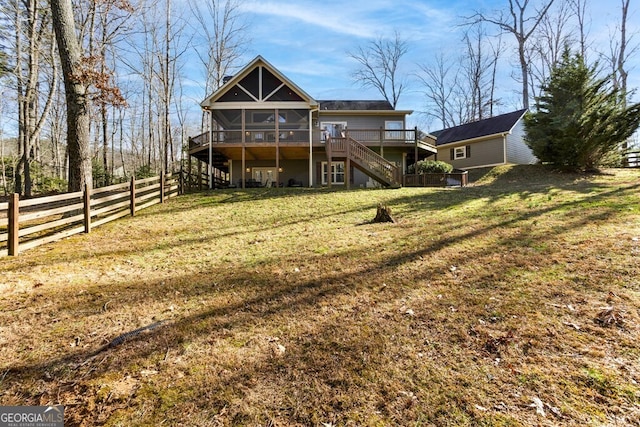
511, 302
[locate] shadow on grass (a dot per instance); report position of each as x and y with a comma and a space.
271, 298
271, 292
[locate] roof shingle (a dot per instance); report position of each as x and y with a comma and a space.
491, 126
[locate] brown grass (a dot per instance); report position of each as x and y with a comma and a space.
511, 302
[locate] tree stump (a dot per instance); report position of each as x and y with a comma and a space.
383, 214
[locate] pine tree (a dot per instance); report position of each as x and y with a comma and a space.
579, 118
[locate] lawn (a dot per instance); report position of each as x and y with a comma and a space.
512, 302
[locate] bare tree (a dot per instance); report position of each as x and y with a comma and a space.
479, 66
621, 51
378, 67
516, 22
549, 42
439, 81
33, 49
579, 8
76, 88
225, 35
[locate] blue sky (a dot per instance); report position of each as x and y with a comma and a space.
308, 40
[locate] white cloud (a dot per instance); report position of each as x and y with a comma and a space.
325, 16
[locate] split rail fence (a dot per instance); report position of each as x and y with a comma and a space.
26, 224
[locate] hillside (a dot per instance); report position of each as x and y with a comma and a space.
512, 302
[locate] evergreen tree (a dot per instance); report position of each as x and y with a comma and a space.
579, 118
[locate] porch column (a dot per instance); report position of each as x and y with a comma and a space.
347, 163
277, 173
328, 148
415, 138
210, 168
243, 172
310, 148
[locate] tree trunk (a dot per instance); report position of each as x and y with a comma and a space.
76, 95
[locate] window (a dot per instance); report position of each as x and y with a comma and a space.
268, 117
265, 176
390, 129
337, 173
332, 129
461, 152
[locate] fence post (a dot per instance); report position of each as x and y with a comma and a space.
14, 224
132, 196
87, 208
162, 178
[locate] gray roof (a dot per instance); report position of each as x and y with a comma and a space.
491, 126
354, 105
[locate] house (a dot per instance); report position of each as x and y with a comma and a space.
490, 142
264, 130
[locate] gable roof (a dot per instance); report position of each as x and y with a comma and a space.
256, 62
496, 125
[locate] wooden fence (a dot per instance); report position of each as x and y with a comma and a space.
454, 179
25, 224
632, 159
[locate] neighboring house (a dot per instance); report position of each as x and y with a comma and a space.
267, 131
495, 141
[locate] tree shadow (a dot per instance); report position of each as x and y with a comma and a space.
272, 298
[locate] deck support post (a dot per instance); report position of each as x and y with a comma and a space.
86, 197
14, 224
162, 179
132, 196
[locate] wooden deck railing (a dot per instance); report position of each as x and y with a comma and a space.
366, 158
369, 137
25, 224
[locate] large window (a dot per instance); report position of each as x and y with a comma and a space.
332, 129
337, 173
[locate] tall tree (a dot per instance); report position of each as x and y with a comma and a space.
439, 80
548, 43
579, 119
378, 66
33, 50
518, 23
76, 88
579, 8
225, 37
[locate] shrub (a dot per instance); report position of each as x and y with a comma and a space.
430, 166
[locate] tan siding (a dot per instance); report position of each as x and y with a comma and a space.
483, 153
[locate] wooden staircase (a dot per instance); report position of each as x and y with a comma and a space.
365, 159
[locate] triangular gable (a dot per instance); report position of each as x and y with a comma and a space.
483, 128
258, 82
